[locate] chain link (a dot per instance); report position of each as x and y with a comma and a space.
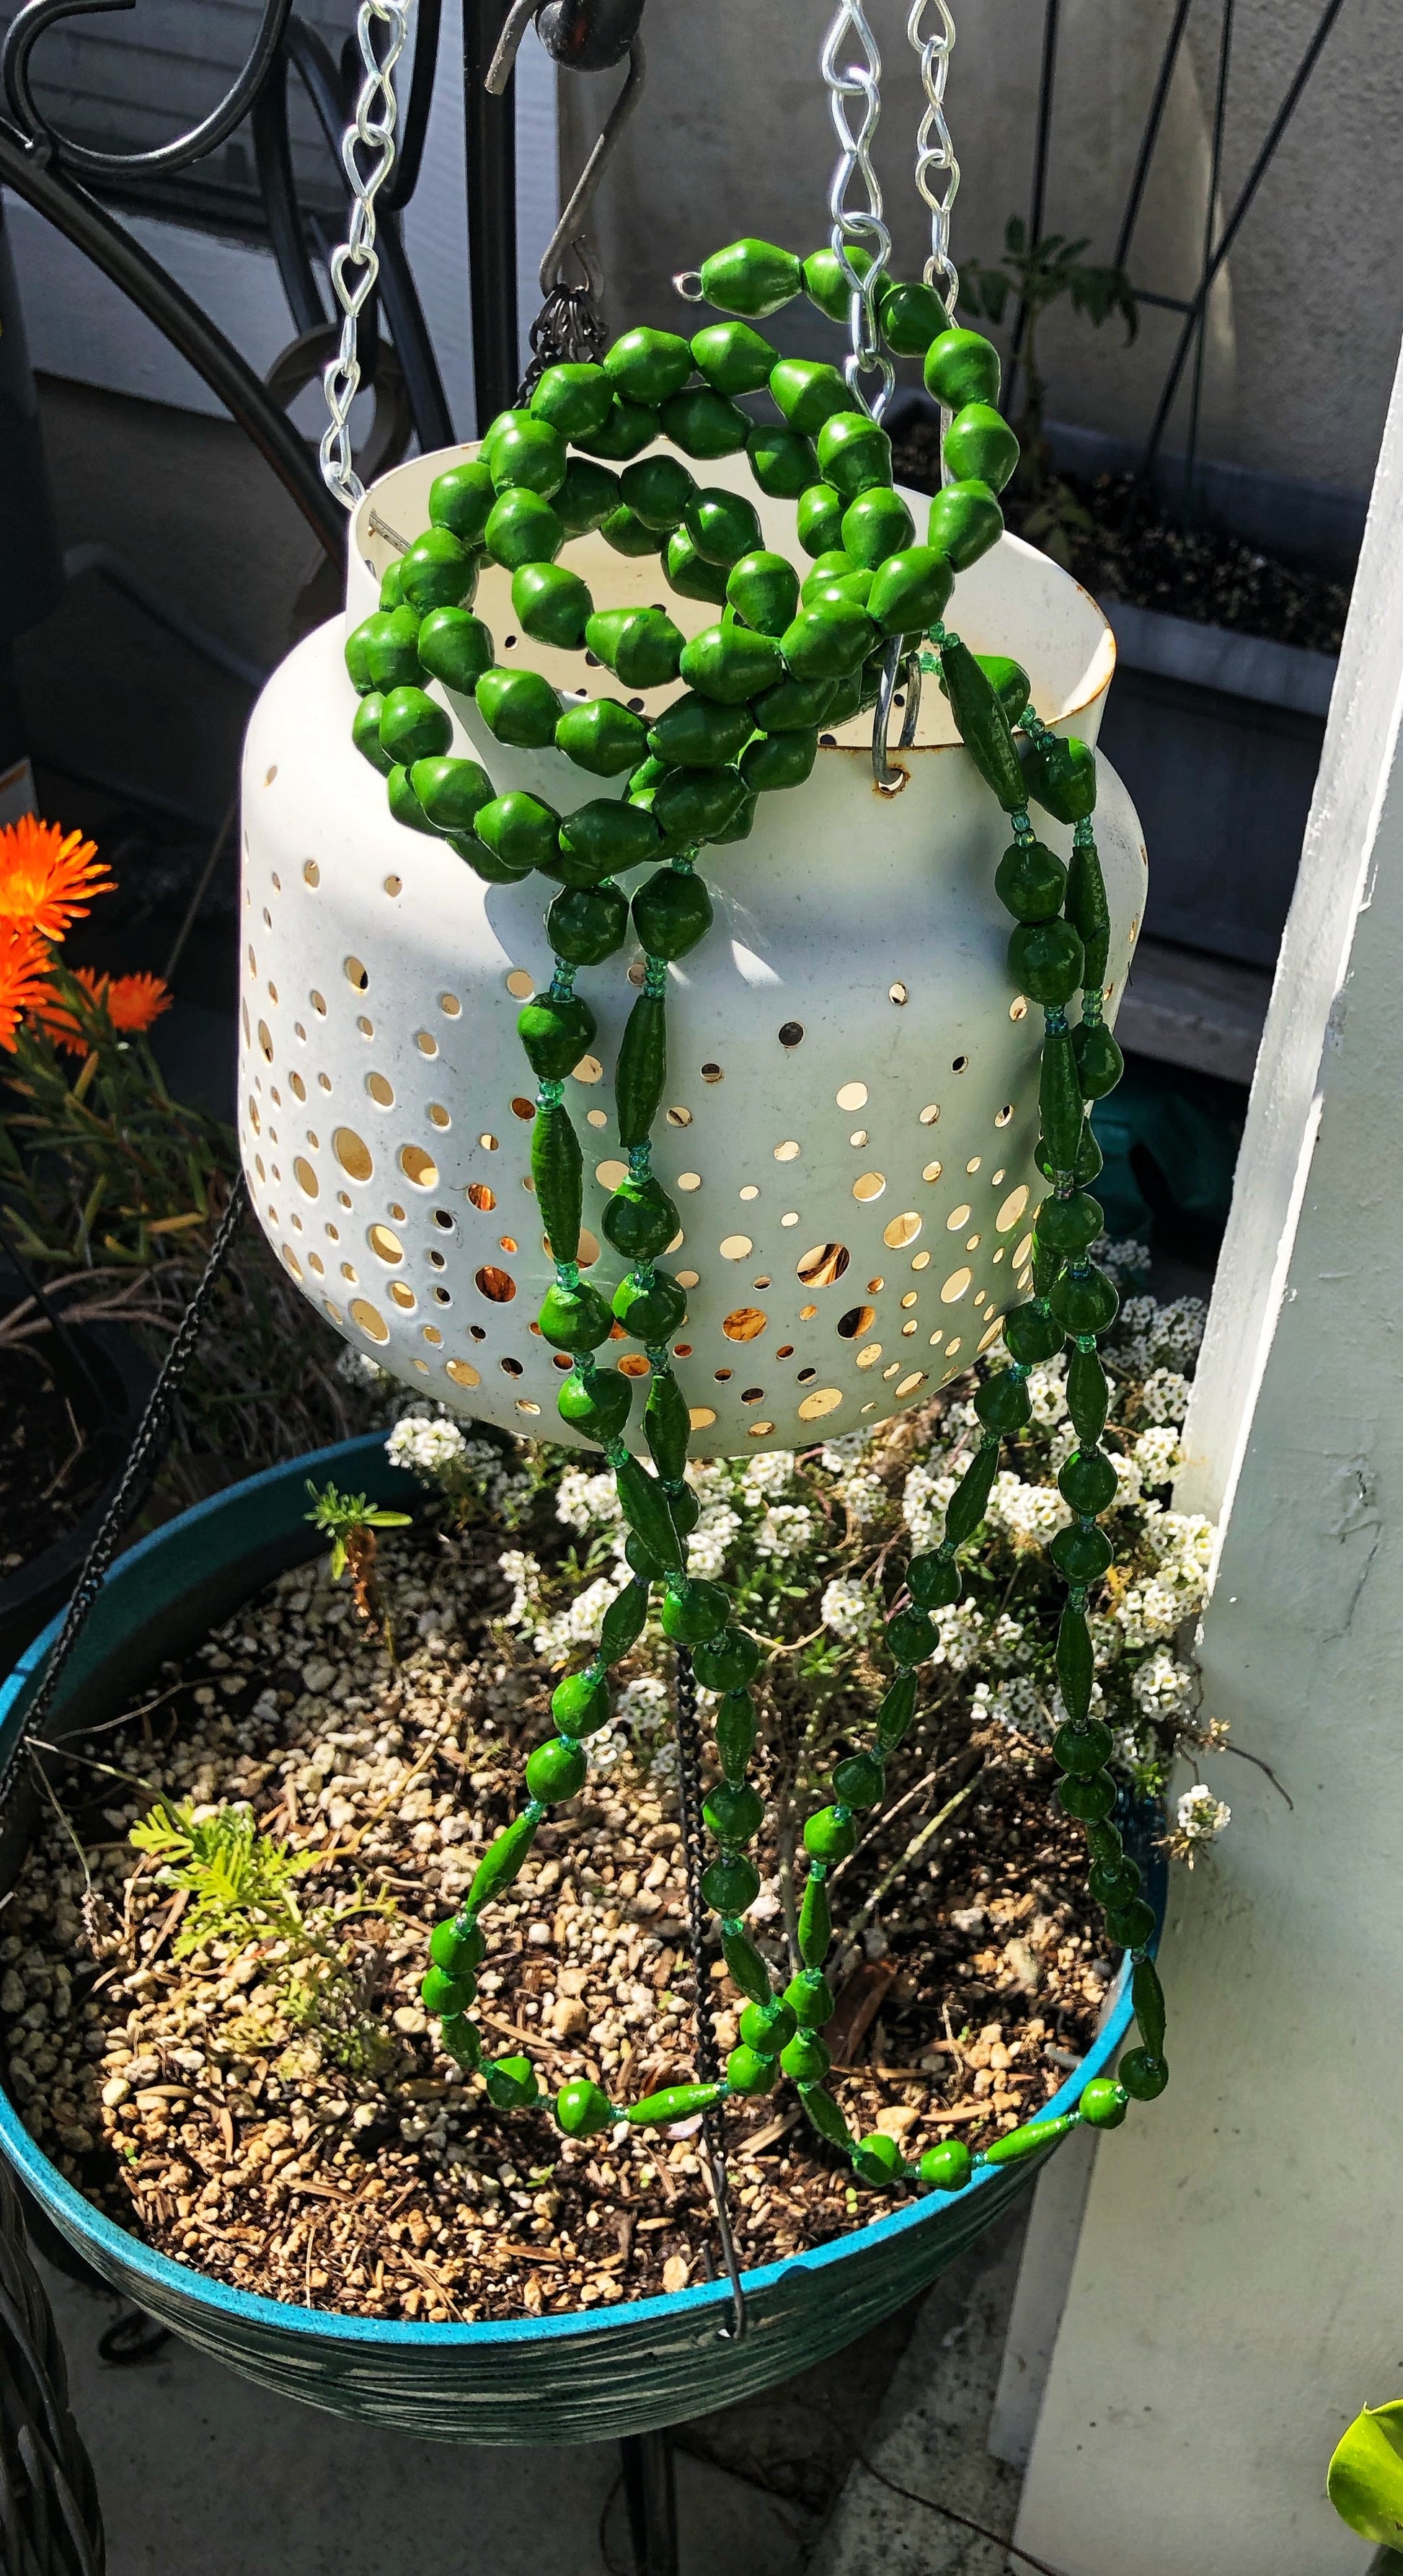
858, 228
368, 157
937, 170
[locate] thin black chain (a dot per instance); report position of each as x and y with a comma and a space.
569, 325
148, 1436
689, 1808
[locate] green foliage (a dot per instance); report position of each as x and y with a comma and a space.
1365, 2477
344, 1518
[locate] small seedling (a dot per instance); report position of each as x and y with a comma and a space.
350, 1522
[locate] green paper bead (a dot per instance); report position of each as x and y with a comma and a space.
1084, 1301
1141, 2075
648, 365
697, 732
733, 359
630, 535
965, 521
722, 525
1076, 1664
574, 1319
1088, 1481
854, 453
640, 1220
602, 736
878, 2161
587, 924
779, 760
580, 1704
1103, 1841
1113, 1883
505, 420
948, 2167
437, 572
413, 726
389, 651
518, 707
911, 317
1071, 1225
586, 497
819, 519
704, 424
456, 648
983, 726
829, 1836
1031, 881
764, 590
783, 463
522, 833
980, 447
728, 1662
815, 1921
692, 1612
442, 1993
523, 529
698, 804
734, 1811
642, 1562
876, 526
1082, 1555
641, 646
1045, 959
556, 1771
1082, 1749
623, 1623
657, 489
689, 573
734, 1727
650, 1313
805, 2058
602, 837
730, 1883
894, 1715
628, 427
502, 1860
860, 1780
1132, 1925
365, 732
356, 655
1147, 1997
910, 590
935, 1581
767, 2026
674, 2102
391, 587
966, 1507
456, 1948
511, 2084
749, 2073
671, 913
751, 277
451, 792
962, 367
1103, 2103
463, 2040
836, 575
646, 1511
529, 456
1003, 1403
827, 283
1062, 777
404, 804
1018, 2144
795, 706
1030, 1334
826, 643
596, 1404
807, 393
732, 664
582, 2110
574, 397
1100, 1063
552, 604
460, 499
824, 2115
1088, 1395
910, 1637
1089, 1799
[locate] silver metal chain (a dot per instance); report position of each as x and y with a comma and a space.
858, 227
368, 156
937, 170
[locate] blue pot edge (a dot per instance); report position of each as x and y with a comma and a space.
78, 2216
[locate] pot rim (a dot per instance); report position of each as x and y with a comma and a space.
185, 2282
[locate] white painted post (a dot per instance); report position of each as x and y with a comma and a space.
1238, 2288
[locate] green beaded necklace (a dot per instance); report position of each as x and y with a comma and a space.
782, 660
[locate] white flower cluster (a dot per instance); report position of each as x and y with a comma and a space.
1047, 1392
706, 1548
1156, 1454
556, 1634
1147, 1336
1162, 1687
357, 1368
961, 1634
762, 1478
1201, 1816
924, 1498
785, 1531
430, 1442
586, 1502
1016, 1703
429, 1445
1028, 1514
1164, 1397
851, 1609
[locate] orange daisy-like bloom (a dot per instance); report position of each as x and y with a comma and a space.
132, 1003
47, 876
24, 986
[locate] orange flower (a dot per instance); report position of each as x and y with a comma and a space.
131, 1002
24, 987
47, 876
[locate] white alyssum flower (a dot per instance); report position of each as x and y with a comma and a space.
1162, 1687
1028, 1514
785, 1531
1007, 1643
840, 1454
763, 1478
585, 1502
357, 1368
429, 1447
522, 1571
1157, 1453
1164, 1397
558, 1633
1146, 1612
707, 1545
924, 1499
961, 1634
851, 1609
863, 1493
643, 1704
1147, 1336
1016, 1703
1047, 1392
1128, 1481
1201, 1816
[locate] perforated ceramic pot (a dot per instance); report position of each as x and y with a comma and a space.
852, 1087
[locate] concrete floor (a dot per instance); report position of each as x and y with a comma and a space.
198, 2468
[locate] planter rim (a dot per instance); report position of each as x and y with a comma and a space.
1257, 667
327, 2325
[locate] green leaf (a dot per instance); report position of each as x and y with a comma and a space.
1365, 2477
1015, 234
338, 1558
997, 290
388, 1520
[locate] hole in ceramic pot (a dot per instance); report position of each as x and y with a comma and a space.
761, 1430
857, 1321
712, 1073
520, 985
792, 1033
744, 1323
307, 1180
869, 1357
824, 1399
898, 993
495, 1284
869, 1185
311, 872
852, 1096
958, 1216
462, 1373
955, 1286
355, 973
265, 1041
522, 1107
902, 1230
701, 1417
511, 1368
380, 1090
689, 1180
1012, 1209
610, 1174
352, 1153
418, 1167
370, 1319
386, 1246
820, 1266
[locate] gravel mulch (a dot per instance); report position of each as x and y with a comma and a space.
335, 2157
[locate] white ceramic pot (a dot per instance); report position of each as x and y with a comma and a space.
852, 1088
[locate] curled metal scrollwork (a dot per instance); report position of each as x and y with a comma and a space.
34, 20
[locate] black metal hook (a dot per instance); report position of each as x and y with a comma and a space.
38, 16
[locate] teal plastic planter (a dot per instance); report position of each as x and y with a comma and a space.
582, 2378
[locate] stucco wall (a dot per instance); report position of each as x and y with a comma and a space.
734, 136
